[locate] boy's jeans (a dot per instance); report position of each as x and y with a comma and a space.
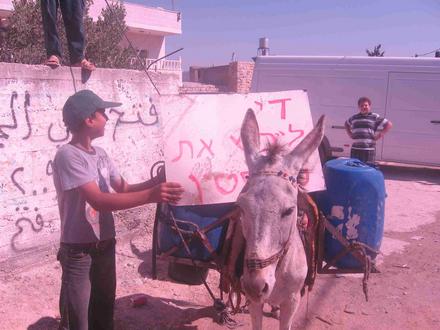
72, 12
88, 285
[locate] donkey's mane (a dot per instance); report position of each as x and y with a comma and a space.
273, 151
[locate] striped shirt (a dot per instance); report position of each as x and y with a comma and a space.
363, 128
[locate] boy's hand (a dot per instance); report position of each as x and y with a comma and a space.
168, 192
377, 136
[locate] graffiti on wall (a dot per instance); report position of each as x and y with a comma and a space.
31, 130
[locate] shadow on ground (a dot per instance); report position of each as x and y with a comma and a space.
152, 313
145, 268
158, 313
428, 176
45, 323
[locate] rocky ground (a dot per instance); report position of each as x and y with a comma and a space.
404, 295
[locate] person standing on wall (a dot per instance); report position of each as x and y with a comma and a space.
365, 128
72, 12
84, 176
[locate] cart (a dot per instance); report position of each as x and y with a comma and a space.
194, 249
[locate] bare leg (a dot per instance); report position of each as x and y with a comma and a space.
256, 311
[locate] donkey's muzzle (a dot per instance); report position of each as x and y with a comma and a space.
255, 286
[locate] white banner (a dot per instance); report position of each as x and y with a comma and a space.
202, 145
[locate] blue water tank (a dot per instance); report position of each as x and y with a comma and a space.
192, 216
354, 203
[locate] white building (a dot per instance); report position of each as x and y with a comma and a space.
147, 29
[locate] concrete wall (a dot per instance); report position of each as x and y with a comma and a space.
31, 129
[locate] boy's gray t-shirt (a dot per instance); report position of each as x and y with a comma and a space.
73, 167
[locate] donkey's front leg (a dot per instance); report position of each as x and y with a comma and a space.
256, 311
287, 311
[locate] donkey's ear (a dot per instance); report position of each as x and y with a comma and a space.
250, 137
299, 156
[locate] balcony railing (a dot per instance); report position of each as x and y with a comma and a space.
161, 65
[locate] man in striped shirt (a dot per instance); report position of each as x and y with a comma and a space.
365, 128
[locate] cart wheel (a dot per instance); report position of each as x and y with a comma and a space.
192, 275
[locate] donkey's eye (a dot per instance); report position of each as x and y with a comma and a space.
287, 212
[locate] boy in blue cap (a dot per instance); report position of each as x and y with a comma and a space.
83, 175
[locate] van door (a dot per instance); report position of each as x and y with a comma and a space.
413, 106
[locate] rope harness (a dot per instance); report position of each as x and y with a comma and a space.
357, 249
280, 174
255, 263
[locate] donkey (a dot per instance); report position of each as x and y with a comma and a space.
275, 265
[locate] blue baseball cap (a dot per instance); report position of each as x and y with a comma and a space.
81, 105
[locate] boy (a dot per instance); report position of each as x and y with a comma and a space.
83, 175
365, 128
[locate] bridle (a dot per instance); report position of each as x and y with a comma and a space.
255, 264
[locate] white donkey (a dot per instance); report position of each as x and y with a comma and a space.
275, 262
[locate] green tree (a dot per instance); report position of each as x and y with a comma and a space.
105, 36
376, 51
23, 41
24, 38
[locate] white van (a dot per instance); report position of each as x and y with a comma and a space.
404, 90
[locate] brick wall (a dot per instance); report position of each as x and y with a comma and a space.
241, 76
31, 129
235, 77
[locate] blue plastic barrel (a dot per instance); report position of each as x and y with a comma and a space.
192, 216
355, 204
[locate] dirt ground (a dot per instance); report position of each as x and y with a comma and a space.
404, 295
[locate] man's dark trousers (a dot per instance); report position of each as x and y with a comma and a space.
368, 156
72, 12
88, 287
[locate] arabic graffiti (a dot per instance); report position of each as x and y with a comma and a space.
121, 119
18, 169
139, 120
156, 168
37, 227
49, 168
27, 103
53, 139
3, 135
30, 131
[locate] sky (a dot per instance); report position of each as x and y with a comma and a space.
214, 32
